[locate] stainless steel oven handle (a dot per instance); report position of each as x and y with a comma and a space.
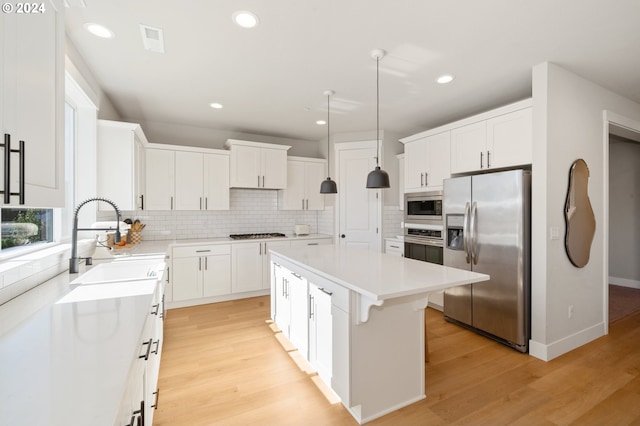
465, 232
474, 219
424, 242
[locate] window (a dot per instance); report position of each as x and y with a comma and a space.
21, 227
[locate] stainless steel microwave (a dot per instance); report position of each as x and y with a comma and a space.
423, 206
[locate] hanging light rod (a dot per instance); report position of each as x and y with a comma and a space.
328, 186
378, 178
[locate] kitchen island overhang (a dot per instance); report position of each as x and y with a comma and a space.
377, 304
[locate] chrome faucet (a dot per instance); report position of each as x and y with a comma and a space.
74, 261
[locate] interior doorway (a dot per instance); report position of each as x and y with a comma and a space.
359, 210
622, 294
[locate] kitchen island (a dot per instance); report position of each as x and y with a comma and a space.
358, 318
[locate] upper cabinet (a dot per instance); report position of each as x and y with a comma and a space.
121, 165
32, 104
497, 142
160, 178
427, 162
257, 165
202, 180
304, 176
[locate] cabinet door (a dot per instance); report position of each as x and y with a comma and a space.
216, 182
217, 275
139, 174
282, 306
415, 157
320, 333
509, 139
188, 181
247, 270
266, 258
273, 168
160, 175
116, 167
315, 174
245, 167
468, 146
299, 309
293, 197
438, 159
187, 278
32, 110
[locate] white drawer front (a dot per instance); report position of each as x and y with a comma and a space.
203, 250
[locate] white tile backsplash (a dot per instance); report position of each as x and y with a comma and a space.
392, 219
251, 211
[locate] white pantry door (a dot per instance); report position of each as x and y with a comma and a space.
359, 208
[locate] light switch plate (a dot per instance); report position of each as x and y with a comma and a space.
554, 233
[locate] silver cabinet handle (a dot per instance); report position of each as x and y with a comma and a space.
426, 179
263, 181
394, 246
203, 251
171, 203
421, 179
296, 275
200, 203
199, 264
310, 307
258, 181
206, 263
313, 244
206, 203
302, 204
481, 156
488, 159
330, 293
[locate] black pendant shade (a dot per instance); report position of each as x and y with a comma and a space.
328, 186
378, 178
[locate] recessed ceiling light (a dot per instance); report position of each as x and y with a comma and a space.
215, 105
446, 78
321, 122
99, 30
245, 19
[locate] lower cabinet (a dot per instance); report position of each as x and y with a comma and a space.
142, 393
201, 271
250, 265
320, 332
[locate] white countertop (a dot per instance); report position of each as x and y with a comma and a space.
376, 275
69, 362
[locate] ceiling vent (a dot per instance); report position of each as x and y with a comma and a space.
152, 38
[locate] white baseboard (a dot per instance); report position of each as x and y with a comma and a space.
566, 344
215, 299
624, 282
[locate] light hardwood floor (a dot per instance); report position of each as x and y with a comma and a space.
223, 365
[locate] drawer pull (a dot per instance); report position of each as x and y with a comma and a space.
157, 308
146, 355
157, 343
157, 394
330, 293
203, 251
313, 244
296, 275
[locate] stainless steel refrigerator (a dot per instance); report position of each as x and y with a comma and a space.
487, 223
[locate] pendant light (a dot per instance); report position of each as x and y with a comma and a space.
378, 178
328, 186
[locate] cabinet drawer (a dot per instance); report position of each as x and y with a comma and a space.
311, 242
203, 250
339, 294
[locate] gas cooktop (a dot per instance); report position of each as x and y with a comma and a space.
256, 236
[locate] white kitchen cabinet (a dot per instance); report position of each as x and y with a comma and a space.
304, 176
281, 308
320, 332
251, 265
120, 166
427, 162
160, 179
257, 165
394, 246
501, 141
32, 102
200, 271
298, 292
201, 180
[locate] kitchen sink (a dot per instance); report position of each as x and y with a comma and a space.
133, 270
112, 290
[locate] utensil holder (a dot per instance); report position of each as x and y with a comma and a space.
135, 237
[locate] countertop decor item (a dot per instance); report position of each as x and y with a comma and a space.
328, 186
378, 178
578, 214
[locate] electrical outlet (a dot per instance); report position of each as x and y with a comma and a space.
554, 233
570, 311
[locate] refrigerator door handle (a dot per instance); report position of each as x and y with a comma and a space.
472, 237
465, 233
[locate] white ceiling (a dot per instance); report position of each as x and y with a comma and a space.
271, 79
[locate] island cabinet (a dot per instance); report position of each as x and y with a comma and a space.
32, 102
291, 292
121, 164
304, 176
504, 140
427, 162
200, 271
257, 165
365, 320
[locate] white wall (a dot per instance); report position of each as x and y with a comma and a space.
624, 214
568, 124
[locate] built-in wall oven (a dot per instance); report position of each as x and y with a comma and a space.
423, 227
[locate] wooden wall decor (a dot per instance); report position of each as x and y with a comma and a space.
578, 214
